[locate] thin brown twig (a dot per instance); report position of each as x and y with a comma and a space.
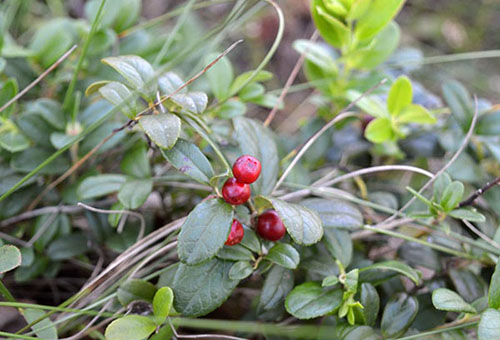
289, 82
470, 200
40, 77
202, 336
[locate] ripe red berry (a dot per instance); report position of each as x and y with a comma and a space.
246, 169
236, 234
270, 226
234, 192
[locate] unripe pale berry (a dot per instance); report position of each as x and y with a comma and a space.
270, 226
246, 169
234, 192
236, 234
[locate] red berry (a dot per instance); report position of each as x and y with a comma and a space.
236, 234
246, 169
234, 192
270, 226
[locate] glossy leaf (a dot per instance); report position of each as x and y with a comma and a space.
137, 71
395, 266
277, 285
309, 300
235, 253
489, 326
445, 299
134, 290
220, 75
335, 213
10, 258
452, 195
400, 95
205, 231
284, 255
163, 129
468, 285
257, 141
334, 31
200, 289
132, 327
119, 95
134, 192
240, 270
416, 114
379, 130
339, 245
13, 141
45, 329
377, 16
189, 160
468, 214
494, 289
68, 246
301, 223
162, 303
101, 185
399, 313
370, 300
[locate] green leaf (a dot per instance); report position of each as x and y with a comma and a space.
164, 333
301, 223
194, 102
68, 246
189, 160
251, 241
7, 92
494, 290
45, 329
220, 76
10, 258
339, 245
379, 50
309, 300
130, 327
399, 313
277, 285
13, 141
134, 290
242, 78
369, 104
468, 285
169, 83
451, 196
200, 289
357, 333
284, 255
100, 185
400, 95
445, 299
329, 281
240, 270
489, 326
459, 101
468, 214
416, 114
235, 253
205, 231
395, 266
251, 91
137, 71
378, 15
379, 130
331, 29
163, 129
232, 108
371, 303
135, 162
317, 54
257, 140
335, 213
29, 159
441, 183
116, 93
162, 303
134, 192
358, 9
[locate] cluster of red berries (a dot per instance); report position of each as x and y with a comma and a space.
236, 191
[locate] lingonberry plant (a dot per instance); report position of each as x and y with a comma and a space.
143, 187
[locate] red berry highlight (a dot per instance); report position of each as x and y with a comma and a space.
270, 226
235, 192
246, 169
236, 234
